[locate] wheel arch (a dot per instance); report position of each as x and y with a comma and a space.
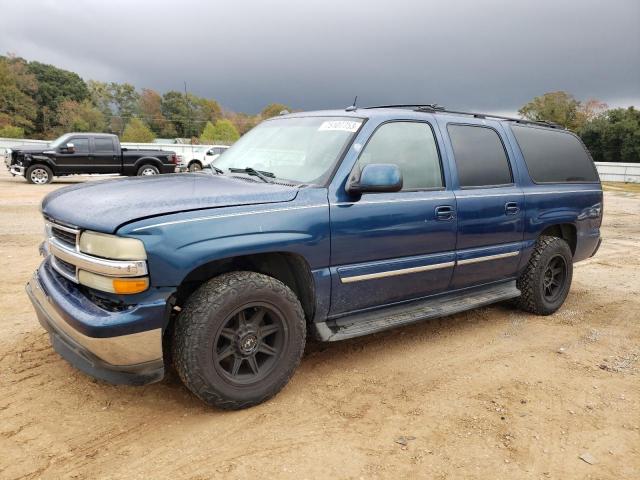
148, 161
290, 268
566, 231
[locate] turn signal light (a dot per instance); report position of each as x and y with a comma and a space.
130, 285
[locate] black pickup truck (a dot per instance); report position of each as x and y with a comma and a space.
81, 153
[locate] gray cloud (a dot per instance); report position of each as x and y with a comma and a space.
489, 55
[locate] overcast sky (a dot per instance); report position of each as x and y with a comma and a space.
474, 54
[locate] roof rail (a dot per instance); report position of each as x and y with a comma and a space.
435, 108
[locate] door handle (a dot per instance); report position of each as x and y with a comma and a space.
511, 208
445, 212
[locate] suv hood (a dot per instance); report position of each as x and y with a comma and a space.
105, 205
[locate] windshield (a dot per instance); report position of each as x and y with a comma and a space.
59, 141
298, 149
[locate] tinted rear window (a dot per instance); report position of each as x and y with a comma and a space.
554, 156
104, 145
479, 155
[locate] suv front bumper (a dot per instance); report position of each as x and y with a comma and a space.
86, 335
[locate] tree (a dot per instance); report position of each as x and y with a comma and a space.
80, 117
209, 133
222, 132
17, 88
54, 86
563, 109
273, 110
613, 136
9, 131
150, 106
176, 110
556, 107
137, 131
124, 102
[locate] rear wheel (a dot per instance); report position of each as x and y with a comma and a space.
195, 167
547, 279
145, 170
39, 174
239, 339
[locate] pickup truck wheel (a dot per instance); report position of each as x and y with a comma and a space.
195, 167
39, 174
239, 339
547, 279
145, 170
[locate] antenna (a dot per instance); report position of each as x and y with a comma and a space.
354, 107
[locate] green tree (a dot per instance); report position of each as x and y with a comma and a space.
137, 131
9, 131
557, 107
613, 136
208, 134
80, 117
222, 132
124, 103
17, 88
54, 86
176, 110
273, 110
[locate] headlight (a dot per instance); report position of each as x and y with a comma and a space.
112, 246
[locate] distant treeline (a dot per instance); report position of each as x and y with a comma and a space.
43, 101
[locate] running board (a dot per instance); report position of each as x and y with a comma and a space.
364, 323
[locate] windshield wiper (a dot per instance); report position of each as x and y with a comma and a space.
266, 177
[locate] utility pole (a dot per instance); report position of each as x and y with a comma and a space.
186, 99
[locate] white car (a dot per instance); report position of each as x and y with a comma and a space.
209, 156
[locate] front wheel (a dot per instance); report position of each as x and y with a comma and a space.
547, 279
39, 174
146, 170
195, 167
239, 339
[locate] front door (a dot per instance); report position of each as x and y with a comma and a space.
490, 206
390, 247
76, 161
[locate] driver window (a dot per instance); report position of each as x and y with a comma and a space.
81, 145
412, 147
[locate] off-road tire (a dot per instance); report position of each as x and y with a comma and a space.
531, 282
202, 319
148, 168
38, 166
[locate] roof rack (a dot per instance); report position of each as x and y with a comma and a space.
434, 108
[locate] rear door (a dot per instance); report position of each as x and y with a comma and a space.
391, 247
106, 157
490, 204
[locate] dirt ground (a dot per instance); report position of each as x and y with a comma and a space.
492, 393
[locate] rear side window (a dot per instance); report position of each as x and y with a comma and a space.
554, 156
104, 145
412, 147
480, 157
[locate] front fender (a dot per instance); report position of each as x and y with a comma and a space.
31, 159
180, 243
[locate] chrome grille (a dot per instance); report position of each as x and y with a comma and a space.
65, 236
64, 268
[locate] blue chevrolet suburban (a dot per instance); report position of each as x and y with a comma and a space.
339, 223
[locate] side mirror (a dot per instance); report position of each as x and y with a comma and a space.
376, 178
209, 152
68, 148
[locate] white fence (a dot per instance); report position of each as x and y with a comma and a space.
619, 172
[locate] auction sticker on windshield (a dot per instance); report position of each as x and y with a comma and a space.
339, 125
